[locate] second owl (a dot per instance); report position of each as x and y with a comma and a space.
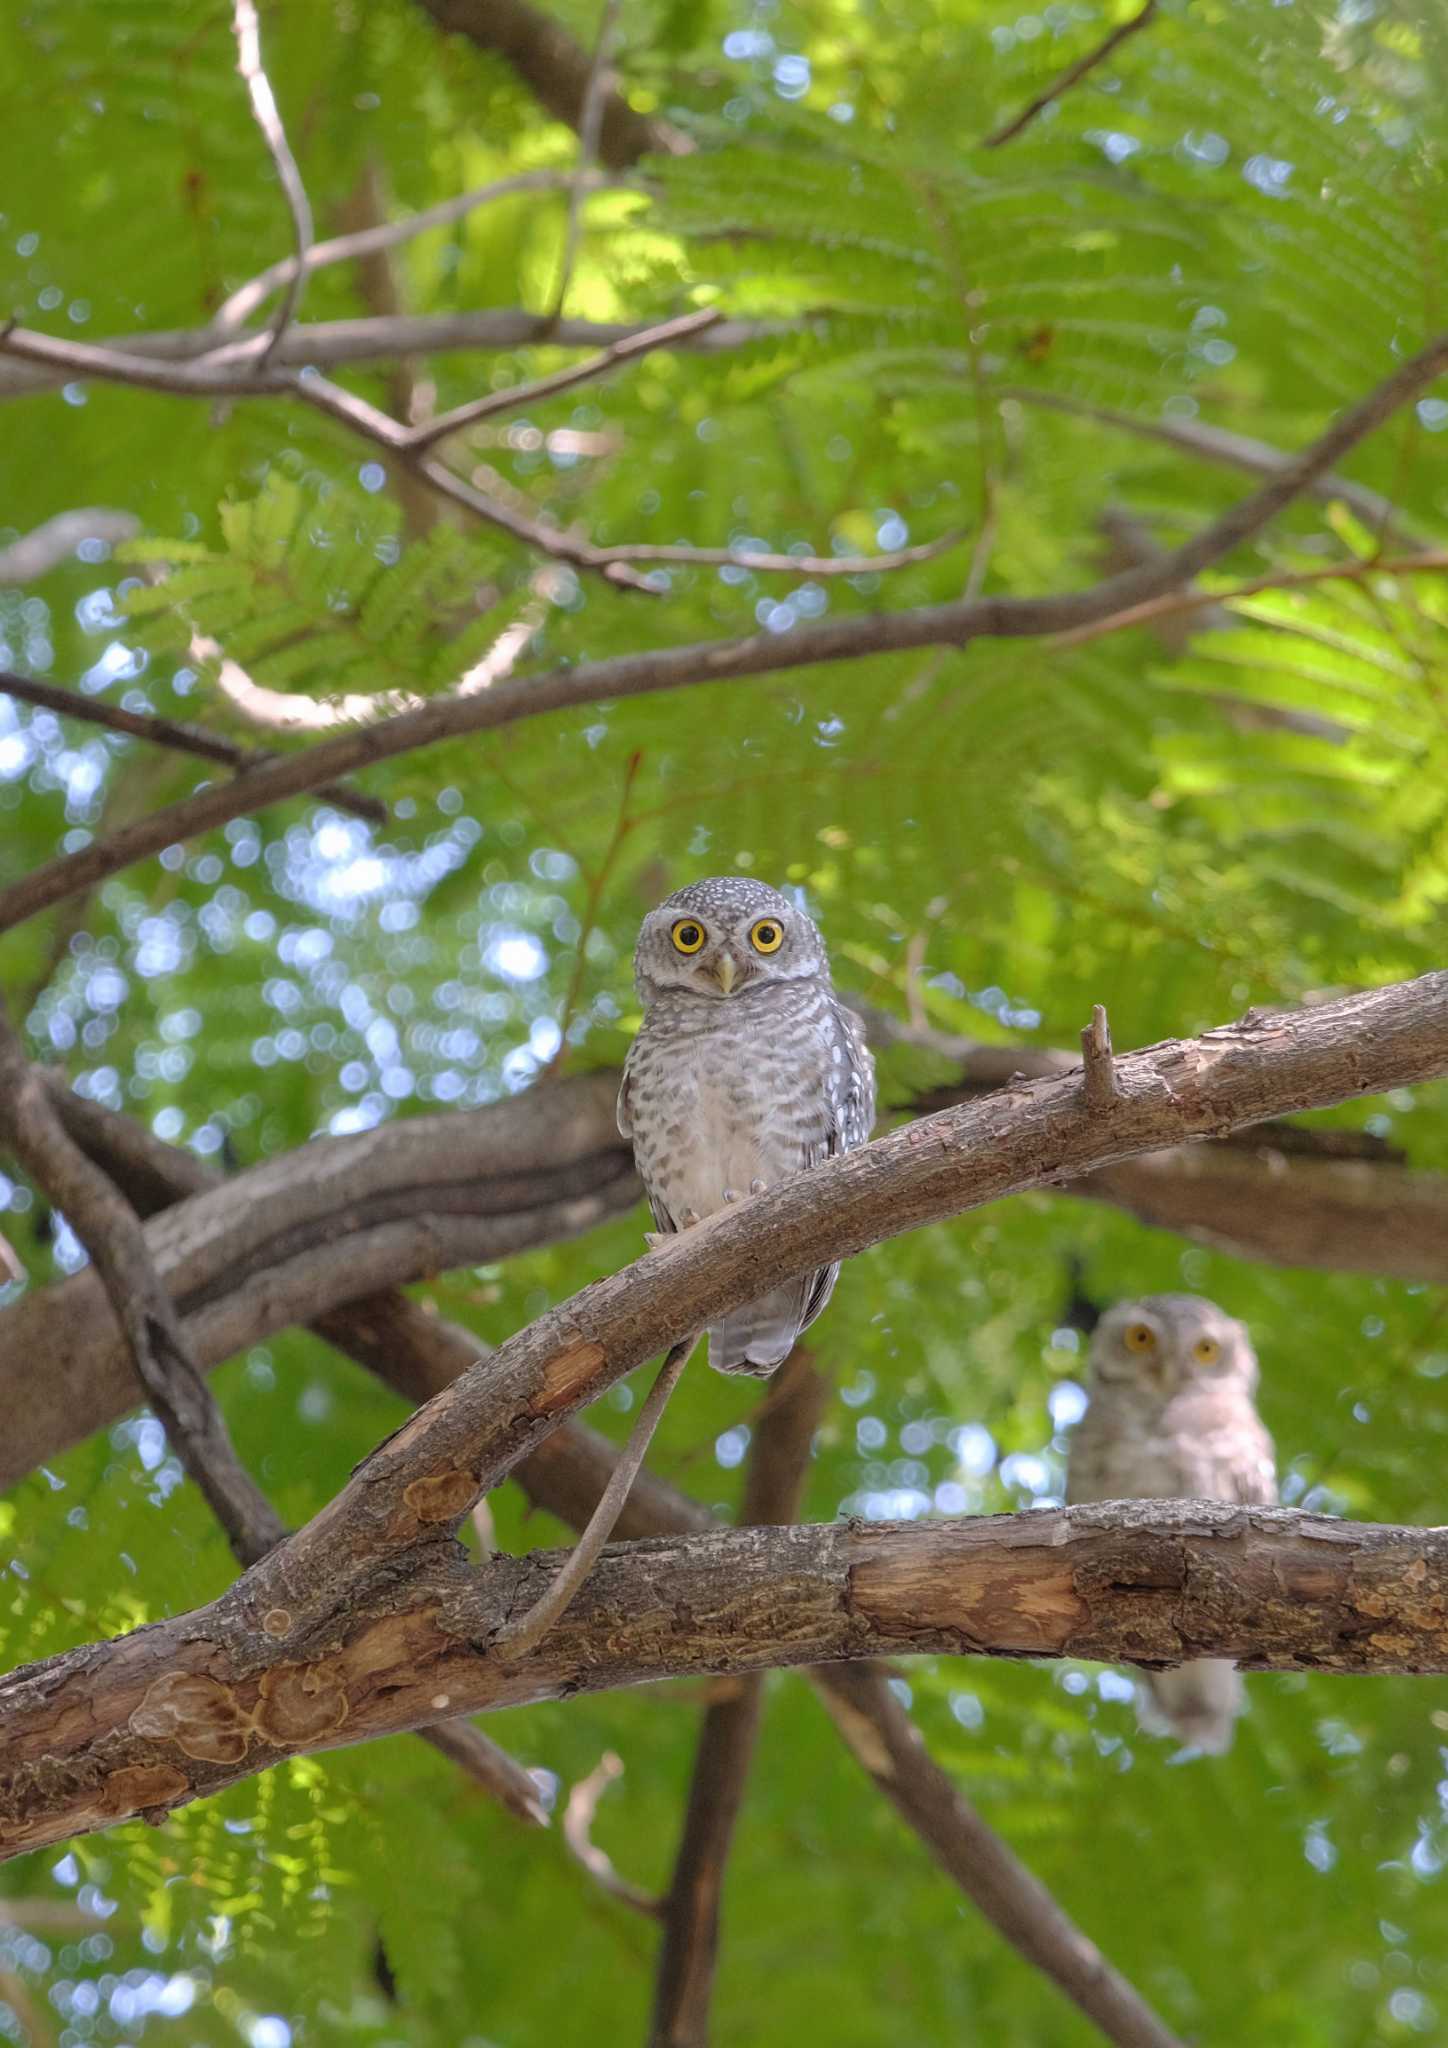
747, 1069
1172, 1418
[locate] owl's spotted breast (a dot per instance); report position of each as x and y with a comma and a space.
747, 1069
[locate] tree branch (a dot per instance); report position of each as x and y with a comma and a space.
952, 625
778, 1469
285, 1242
110, 1231
50, 543
185, 1706
264, 107
597, 90
181, 739
334, 344
236, 309
1071, 76
1220, 446
555, 70
361, 1620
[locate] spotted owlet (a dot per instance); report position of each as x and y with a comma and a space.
1172, 1418
747, 1069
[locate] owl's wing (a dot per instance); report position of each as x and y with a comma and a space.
849, 1092
624, 1113
849, 1085
625, 1103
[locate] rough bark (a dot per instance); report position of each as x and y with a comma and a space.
403, 1203
185, 1706
369, 1619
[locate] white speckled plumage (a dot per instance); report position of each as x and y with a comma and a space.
747, 1069
1172, 1417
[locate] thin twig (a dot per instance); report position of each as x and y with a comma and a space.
578, 1835
491, 1768
269, 120
518, 1638
1217, 445
1173, 603
369, 241
595, 96
668, 334
1098, 1064
166, 732
778, 1469
1070, 76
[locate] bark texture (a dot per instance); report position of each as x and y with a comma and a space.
188, 1705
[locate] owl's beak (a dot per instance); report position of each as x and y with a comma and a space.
725, 973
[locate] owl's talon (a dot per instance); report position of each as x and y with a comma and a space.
731, 1194
758, 1186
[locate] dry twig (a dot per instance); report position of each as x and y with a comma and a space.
578, 1835
268, 119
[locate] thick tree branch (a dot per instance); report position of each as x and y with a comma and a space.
285, 1242
370, 1619
631, 675
556, 71
176, 1710
179, 738
778, 1468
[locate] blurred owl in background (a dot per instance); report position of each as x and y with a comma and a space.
1172, 1418
747, 1069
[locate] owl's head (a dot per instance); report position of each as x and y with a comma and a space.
1164, 1343
723, 937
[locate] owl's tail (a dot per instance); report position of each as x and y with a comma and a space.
760, 1336
1198, 1703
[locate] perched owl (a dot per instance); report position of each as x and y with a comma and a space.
747, 1069
1172, 1418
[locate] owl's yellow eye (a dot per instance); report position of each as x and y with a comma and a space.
1139, 1337
1206, 1351
688, 935
767, 936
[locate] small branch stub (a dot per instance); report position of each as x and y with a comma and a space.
1099, 1067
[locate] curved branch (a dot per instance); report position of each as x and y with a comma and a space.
179, 1709
406, 1201
950, 625
370, 1619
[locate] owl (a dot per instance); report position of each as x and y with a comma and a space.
747, 1069
1172, 1418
